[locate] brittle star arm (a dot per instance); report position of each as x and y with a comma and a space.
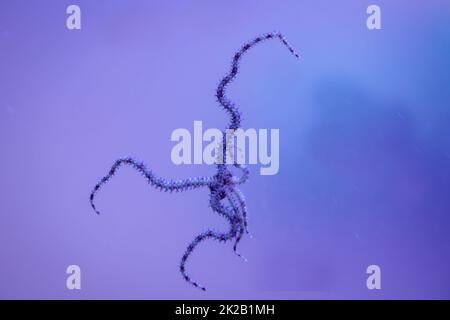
222, 237
242, 206
245, 174
155, 181
227, 104
239, 220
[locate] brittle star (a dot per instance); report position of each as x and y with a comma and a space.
223, 185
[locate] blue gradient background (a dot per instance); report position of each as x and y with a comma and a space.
364, 122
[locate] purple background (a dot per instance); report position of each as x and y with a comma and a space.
364, 122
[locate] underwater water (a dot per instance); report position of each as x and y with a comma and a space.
364, 122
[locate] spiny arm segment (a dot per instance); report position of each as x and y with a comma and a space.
239, 220
222, 237
245, 174
227, 104
157, 182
